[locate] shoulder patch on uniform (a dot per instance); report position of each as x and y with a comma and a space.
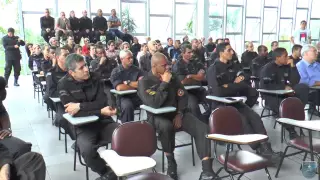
180, 92
150, 92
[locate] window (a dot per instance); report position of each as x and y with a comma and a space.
234, 19
135, 12
253, 8
216, 8
235, 2
286, 45
303, 3
285, 29
184, 1
75, 5
252, 32
32, 29
287, 8
315, 29
267, 40
161, 7
315, 9
160, 28
270, 20
255, 46
104, 5
302, 14
271, 3
185, 22
236, 43
215, 28
37, 5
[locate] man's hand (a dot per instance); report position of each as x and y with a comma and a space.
239, 79
225, 85
16, 46
140, 78
102, 60
189, 76
177, 121
72, 108
108, 111
87, 30
48, 29
166, 76
41, 73
5, 133
290, 62
5, 172
288, 88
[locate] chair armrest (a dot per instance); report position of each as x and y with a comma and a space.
124, 166
191, 87
161, 110
43, 83
76, 121
313, 125
224, 100
55, 100
279, 92
244, 139
39, 75
123, 92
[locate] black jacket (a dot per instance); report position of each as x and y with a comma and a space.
182, 69
85, 23
74, 23
145, 62
258, 63
100, 23
210, 47
89, 94
198, 55
37, 59
104, 70
12, 53
156, 94
247, 57
52, 79
46, 65
47, 22
5, 157
119, 74
127, 38
135, 48
295, 61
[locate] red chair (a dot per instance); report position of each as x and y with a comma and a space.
226, 126
150, 176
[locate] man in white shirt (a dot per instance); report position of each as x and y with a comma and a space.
301, 36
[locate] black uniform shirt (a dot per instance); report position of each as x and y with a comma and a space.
85, 23
5, 157
74, 23
53, 77
275, 77
295, 61
100, 23
156, 94
145, 62
12, 53
119, 74
247, 57
258, 63
47, 22
182, 69
104, 70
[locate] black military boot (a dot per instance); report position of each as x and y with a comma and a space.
16, 82
172, 167
6, 78
266, 151
207, 172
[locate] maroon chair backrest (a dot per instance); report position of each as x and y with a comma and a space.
226, 120
292, 108
134, 139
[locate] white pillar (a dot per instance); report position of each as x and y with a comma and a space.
202, 23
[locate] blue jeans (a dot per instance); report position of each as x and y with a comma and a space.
116, 32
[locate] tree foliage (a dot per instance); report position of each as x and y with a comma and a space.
127, 21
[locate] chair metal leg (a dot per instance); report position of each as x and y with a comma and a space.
281, 161
231, 176
87, 172
59, 132
282, 134
192, 149
240, 176
215, 149
275, 123
75, 158
162, 161
268, 174
65, 142
262, 112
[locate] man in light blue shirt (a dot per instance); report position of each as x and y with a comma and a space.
308, 68
113, 24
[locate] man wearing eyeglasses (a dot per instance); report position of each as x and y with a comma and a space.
63, 27
47, 26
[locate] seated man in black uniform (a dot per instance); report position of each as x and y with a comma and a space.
192, 72
125, 77
282, 74
82, 95
224, 81
53, 76
296, 53
47, 26
258, 63
247, 57
159, 89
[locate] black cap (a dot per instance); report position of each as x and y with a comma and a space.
11, 30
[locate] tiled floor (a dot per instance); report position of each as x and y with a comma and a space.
30, 122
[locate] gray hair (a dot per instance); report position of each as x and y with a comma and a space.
51, 39
124, 43
124, 53
306, 48
72, 60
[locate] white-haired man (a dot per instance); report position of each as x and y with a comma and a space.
125, 77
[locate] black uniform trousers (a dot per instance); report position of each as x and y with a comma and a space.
128, 105
190, 124
15, 146
15, 63
97, 35
195, 97
84, 34
29, 166
47, 35
88, 138
107, 86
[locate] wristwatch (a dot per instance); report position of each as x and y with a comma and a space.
128, 82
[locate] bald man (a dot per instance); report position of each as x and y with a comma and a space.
160, 89
145, 60
86, 26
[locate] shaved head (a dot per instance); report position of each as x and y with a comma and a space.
157, 58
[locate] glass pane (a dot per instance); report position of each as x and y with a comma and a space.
185, 15
67, 6
271, 3
215, 28
255, 46
267, 40
161, 7
286, 45
303, 3
252, 29
287, 8
270, 23
32, 28
185, 1
216, 8
237, 2
285, 29
315, 9
301, 15
253, 8
105, 5
314, 28
160, 28
37, 5
136, 14
142, 39
236, 43
234, 19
